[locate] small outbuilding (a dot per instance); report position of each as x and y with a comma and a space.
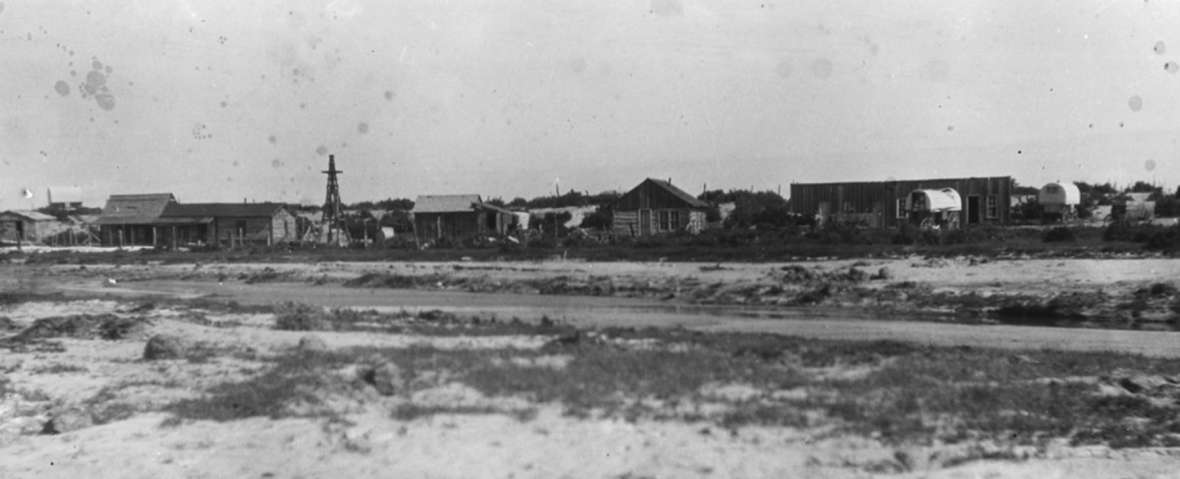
656, 207
19, 226
459, 217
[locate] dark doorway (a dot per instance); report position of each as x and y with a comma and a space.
972, 210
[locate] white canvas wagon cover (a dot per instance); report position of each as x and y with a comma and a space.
946, 199
1066, 194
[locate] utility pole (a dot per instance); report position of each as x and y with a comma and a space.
333, 213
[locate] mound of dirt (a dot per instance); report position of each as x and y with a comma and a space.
83, 326
163, 346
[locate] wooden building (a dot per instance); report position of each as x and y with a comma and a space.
882, 204
656, 207
128, 220
18, 226
225, 224
459, 217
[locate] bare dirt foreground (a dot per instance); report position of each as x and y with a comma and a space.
139, 371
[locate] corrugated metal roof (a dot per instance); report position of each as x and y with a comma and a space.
679, 193
446, 203
31, 215
221, 210
134, 209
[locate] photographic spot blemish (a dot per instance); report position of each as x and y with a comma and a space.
388, 95
362, 128
275, 163
108, 69
272, 139
97, 65
224, 104
1091, 125
821, 68
106, 101
73, 73
1149, 165
1172, 67
235, 162
94, 81
321, 150
1135, 102
1121, 124
303, 106
62, 88
1018, 152
783, 69
1160, 48
1, 7
578, 65
950, 128
222, 39
666, 8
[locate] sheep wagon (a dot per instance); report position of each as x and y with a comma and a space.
935, 209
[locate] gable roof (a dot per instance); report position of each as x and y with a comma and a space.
221, 210
679, 193
30, 215
446, 203
134, 209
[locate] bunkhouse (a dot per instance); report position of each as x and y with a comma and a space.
459, 217
131, 219
657, 207
226, 224
19, 226
886, 204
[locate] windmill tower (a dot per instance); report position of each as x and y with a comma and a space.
333, 212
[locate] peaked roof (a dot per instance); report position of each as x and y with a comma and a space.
446, 203
679, 193
134, 209
31, 215
221, 210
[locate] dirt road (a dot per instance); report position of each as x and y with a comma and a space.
602, 311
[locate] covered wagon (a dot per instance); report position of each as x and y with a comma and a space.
1059, 201
935, 209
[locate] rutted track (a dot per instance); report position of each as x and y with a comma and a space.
600, 311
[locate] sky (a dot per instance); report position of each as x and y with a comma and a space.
224, 100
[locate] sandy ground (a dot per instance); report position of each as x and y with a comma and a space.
365, 440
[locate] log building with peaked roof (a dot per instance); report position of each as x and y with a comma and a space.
657, 207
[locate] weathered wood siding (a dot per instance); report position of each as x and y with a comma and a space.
35, 231
284, 228
876, 203
457, 225
627, 223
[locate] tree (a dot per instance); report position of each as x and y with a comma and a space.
762, 209
601, 219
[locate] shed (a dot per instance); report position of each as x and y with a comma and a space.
885, 203
27, 226
657, 207
226, 224
459, 217
131, 219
